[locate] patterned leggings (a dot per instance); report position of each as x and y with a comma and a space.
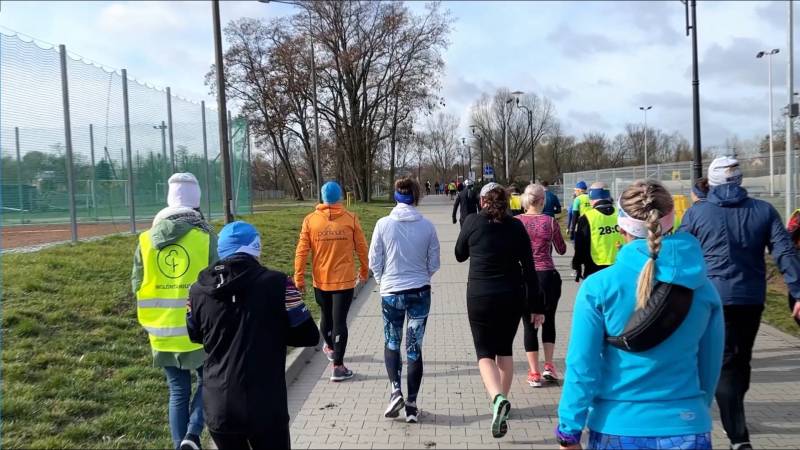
600, 441
396, 307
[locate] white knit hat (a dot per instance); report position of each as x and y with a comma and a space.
489, 187
184, 190
724, 170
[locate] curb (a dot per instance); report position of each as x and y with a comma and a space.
298, 358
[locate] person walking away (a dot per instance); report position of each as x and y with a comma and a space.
168, 259
580, 205
597, 237
545, 234
245, 315
793, 228
634, 395
502, 289
734, 231
428, 187
332, 234
436, 188
700, 190
404, 255
451, 190
552, 206
466, 202
514, 201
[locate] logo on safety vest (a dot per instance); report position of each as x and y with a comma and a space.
173, 261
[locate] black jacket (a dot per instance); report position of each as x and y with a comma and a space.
582, 262
238, 311
466, 203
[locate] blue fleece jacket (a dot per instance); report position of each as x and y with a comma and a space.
734, 230
665, 391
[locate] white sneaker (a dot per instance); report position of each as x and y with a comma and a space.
396, 403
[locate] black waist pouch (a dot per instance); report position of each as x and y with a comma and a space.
666, 310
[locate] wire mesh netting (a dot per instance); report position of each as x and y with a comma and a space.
110, 186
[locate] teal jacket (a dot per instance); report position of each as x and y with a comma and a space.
163, 233
665, 391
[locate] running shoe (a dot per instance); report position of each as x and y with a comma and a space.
396, 403
190, 442
501, 407
550, 373
341, 373
412, 412
534, 379
328, 352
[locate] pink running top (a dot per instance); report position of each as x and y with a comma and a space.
545, 234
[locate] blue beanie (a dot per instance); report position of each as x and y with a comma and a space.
331, 192
599, 194
238, 237
581, 185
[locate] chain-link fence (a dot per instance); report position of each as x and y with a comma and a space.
677, 177
84, 145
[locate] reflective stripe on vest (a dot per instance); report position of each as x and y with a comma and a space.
585, 204
161, 299
605, 237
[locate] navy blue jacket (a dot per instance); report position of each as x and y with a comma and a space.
551, 204
734, 230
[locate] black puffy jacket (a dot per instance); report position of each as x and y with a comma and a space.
238, 311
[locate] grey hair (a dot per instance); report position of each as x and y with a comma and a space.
533, 196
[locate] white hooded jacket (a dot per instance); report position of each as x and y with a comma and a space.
404, 253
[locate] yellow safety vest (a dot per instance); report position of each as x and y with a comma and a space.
515, 203
161, 299
605, 237
585, 204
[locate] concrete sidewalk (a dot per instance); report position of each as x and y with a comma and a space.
454, 404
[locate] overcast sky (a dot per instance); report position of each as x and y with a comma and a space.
597, 61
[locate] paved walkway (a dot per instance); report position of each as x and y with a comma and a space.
455, 407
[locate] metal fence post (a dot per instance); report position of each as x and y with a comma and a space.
169, 128
128, 149
73, 219
205, 158
235, 193
94, 172
19, 178
249, 164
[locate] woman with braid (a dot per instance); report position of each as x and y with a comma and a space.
634, 398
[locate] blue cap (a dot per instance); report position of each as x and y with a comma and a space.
581, 185
331, 192
238, 237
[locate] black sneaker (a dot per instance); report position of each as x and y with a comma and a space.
191, 442
742, 446
396, 403
341, 373
412, 412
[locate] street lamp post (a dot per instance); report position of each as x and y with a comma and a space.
645, 109
697, 164
480, 147
505, 138
227, 188
768, 54
530, 132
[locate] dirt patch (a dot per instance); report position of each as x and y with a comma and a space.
18, 236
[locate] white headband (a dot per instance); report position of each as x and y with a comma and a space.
638, 228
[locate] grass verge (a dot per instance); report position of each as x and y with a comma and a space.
77, 370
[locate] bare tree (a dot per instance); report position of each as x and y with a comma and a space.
441, 142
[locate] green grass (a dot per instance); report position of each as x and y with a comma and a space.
77, 370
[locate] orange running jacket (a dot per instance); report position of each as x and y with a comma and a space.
332, 234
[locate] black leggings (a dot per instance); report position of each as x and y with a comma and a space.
550, 282
272, 435
334, 306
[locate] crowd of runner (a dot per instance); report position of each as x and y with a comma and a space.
664, 321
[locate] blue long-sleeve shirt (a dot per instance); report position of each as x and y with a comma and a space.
664, 391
